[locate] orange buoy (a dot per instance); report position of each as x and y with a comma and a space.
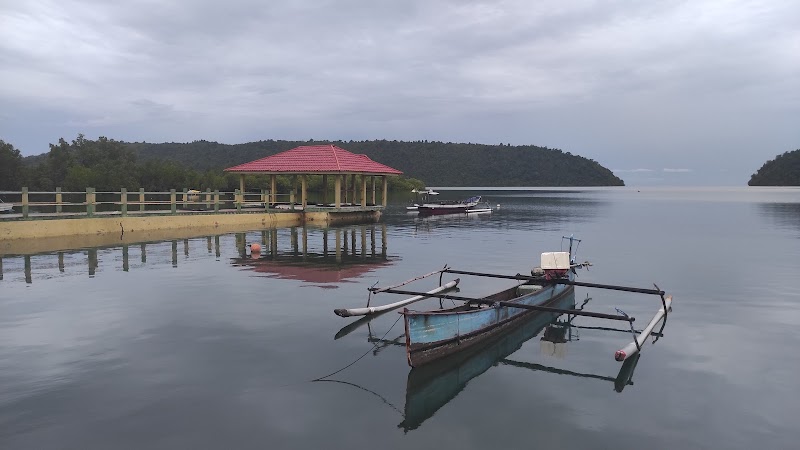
255, 247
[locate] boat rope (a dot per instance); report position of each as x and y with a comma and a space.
374, 345
367, 390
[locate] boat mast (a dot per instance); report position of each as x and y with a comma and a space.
571, 239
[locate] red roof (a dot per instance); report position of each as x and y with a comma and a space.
315, 158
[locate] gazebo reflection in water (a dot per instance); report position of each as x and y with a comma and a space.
316, 255
313, 254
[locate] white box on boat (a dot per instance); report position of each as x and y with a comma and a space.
555, 260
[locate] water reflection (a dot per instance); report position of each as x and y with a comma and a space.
319, 255
512, 210
316, 255
785, 215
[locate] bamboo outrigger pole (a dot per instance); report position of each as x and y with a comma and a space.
483, 301
636, 346
559, 281
344, 312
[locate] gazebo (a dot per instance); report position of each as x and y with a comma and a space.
322, 160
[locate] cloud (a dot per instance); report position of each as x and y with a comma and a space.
631, 170
647, 84
677, 170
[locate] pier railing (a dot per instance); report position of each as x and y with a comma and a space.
27, 204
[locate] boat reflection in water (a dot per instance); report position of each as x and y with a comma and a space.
431, 386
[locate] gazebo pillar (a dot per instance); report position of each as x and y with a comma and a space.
385, 189
337, 202
241, 188
324, 189
363, 191
273, 188
354, 189
373, 189
303, 190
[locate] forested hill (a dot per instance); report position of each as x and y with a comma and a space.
784, 170
436, 163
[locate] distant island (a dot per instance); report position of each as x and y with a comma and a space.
784, 170
107, 164
437, 163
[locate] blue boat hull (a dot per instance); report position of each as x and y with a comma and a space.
430, 387
432, 335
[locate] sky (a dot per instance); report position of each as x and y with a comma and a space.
662, 93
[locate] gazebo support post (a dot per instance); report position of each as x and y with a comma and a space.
337, 202
363, 191
354, 189
385, 189
324, 189
273, 188
373, 189
241, 188
303, 191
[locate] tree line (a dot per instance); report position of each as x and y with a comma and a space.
437, 163
108, 165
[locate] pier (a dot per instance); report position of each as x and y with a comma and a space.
43, 215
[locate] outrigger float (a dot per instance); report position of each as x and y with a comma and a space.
432, 335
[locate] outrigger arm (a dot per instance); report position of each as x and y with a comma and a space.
484, 301
559, 281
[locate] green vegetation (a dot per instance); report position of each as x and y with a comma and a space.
106, 164
784, 170
438, 163
11, 171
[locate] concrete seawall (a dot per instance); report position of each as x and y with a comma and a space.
23, 236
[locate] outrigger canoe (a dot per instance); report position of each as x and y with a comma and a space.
432, 335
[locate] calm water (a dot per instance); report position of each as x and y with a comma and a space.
189, 345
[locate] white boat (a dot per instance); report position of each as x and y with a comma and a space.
6, 207
449, 207
425, 192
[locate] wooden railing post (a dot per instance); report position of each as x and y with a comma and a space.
24, 203
291, 198
185, 195
216, 200
173, 207
59, 200
208, 198
123, 202
239, 198
264, 196
89, 202
141, 199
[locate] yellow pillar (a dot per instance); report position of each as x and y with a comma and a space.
363, 191
354, 189
337, 197
273, 187
385, 189
303, 189
373, 189
324, 189
241, 188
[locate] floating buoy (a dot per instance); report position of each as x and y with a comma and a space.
255, 247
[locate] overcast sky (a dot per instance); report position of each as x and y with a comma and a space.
668, 92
